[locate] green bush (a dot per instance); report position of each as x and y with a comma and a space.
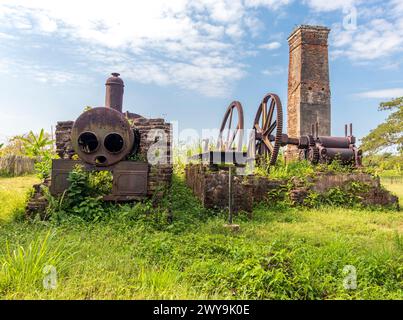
83, 198
43, 165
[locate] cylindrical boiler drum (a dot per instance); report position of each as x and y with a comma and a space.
344, 155
334, 142
102, 136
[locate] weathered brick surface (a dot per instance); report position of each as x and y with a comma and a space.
63, 139
374, 193
159, 178
211, 187
37, 203
152, 131
308, 83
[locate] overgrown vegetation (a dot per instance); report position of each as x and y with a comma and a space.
301, 169
348, 196
83, 197
36, 146
176, 249
134, 253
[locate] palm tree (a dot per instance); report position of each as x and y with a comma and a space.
34, 145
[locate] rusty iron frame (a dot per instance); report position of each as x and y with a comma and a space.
130, 179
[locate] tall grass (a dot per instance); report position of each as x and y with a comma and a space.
23, 267
282, 253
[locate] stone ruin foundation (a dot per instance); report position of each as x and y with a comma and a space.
209, 184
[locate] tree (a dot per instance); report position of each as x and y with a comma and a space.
36, 145
388, 134
14, 146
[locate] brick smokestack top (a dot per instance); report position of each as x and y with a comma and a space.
308, 83
114, 92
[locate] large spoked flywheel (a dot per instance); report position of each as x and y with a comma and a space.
268, 126
231, 131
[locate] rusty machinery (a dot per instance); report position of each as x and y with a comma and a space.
268, 137
103, 138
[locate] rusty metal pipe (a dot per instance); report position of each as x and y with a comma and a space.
294, 141
114, 92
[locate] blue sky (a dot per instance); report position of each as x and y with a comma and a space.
187, 60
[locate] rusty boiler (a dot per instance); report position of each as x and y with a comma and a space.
103, 138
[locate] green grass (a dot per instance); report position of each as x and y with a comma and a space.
13, 194
283, 253
395, 187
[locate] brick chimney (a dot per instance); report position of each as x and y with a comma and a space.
308, 83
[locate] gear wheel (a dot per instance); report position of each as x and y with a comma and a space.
268, 126
313, 155
302, 155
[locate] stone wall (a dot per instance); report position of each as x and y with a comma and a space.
152, 131
63, 139
374, 193
211, 187
37, 202
159, 177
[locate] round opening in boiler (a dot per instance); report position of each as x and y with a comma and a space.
114, 142
100, 160
88, 142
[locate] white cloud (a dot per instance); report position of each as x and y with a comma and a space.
276, 70
382, 94
46, 24
165, 42
376, 39
398, 6
6, 36
378, 36
271, 4
271, 45
326, 5
41, 73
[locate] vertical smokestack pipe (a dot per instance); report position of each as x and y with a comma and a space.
114, 92
351, 129
345, 130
